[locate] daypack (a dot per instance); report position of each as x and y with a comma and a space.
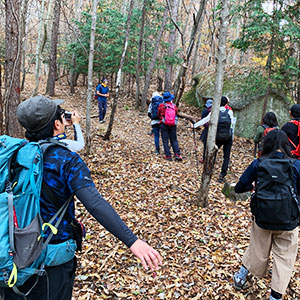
224, 132
170, 114
23, 249
261, 143
296, 152
274, 203
96, 96
155, 102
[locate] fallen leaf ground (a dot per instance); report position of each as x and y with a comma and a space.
201, 248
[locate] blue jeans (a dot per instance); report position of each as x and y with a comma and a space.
102, 105
156, 130
169, 133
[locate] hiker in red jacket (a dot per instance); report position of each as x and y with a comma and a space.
168, 112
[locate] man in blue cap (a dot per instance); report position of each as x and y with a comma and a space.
168, 112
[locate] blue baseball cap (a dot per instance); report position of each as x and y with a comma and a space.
168, 96
209, 103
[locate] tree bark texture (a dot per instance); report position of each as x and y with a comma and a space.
1, 104
90, 77
171, 49
23, 15
38, 52
52, 75
138, 63
209, 161
12, 67
180, 80
153, 60
119, 74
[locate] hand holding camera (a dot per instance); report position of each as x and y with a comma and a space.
72, 117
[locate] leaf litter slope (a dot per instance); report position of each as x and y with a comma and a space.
201, 248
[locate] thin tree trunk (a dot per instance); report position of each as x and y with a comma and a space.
23, 14
153, 60
172, 44
180, 80
12, 67
119, 74
38, 52
138, 63
210, 156
90, 78
195, 59
52, 75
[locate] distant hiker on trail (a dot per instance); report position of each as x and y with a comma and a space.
102, 93
224, 136
269, 123
292, 130
168, 124
156, 100
203, 136
72, 118
275, 209
65, 175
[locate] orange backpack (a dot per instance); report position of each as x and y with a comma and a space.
296, 152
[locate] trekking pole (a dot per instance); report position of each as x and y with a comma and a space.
195, 146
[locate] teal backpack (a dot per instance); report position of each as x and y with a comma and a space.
24, 251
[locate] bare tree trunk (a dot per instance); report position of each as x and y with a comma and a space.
210, 156
119, 74
23, 15
73, 74
90, 78
12, 67
138, 63
39, 47
172, 44
52, 75
153, 60
195, 59
180, 80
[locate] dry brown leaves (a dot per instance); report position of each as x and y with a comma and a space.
201, 248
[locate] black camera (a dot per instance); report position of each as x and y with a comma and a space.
68, 115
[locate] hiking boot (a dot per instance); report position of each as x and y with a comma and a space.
221, 178
272, 298
156, 152
177, 157
167, 157
101, 122
240, 278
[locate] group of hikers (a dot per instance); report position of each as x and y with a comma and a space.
274, 176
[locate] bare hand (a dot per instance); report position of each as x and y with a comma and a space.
75, 117
148, 256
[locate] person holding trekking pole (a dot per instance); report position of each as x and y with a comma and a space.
65, 174
275, 214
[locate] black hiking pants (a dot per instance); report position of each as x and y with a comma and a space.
58, 282
226, 154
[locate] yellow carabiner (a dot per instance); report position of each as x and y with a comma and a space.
13, 276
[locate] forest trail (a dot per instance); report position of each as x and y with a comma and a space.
201, 248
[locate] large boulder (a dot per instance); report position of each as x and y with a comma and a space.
248, 109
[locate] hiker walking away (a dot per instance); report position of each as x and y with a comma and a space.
168, 124
269, 123
102, 92
224, 136
292, 130
72, 119
65, 174
275, 214
203, 136
156, 100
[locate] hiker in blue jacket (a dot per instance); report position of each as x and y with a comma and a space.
66, 174
282, 243
102, 92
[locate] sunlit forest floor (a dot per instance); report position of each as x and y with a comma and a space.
201, 248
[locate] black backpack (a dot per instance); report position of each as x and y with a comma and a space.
155, 102
224, 132
275, 203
